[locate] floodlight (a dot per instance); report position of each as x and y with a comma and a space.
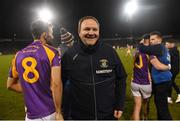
131, 7
45, 15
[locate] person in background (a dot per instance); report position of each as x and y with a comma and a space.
141, 85
141, 82
174, 54
128, 50
67, 40
160, 78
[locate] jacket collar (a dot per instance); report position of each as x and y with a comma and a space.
89, 49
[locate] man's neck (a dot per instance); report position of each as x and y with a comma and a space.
41, 40
36, 40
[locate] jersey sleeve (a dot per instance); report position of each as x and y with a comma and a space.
156, 50
13, 71
57, 59
53, 55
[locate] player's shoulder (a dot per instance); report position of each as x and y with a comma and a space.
18, 54
50, 47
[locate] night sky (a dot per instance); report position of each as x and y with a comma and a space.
161, 15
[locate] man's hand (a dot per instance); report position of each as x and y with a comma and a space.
117, 114
59, 117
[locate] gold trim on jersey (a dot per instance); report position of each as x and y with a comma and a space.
49, 53
140, 65
14, 70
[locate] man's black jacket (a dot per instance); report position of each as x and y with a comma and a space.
98, 80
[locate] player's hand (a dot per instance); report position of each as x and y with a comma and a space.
169, 66
59, 117
117, 114
142, 41
25, 109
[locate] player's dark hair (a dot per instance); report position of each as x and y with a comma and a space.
38, 27
146, 36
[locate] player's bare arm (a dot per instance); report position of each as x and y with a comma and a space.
14, 85
56, 87
158, 65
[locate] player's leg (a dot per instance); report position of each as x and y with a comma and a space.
137, 101
169, 98
146, 91
160, 98
145, 108
137, 108
174, 85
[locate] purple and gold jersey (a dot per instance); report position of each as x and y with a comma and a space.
141, 73
32, 65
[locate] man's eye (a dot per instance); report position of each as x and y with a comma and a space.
87, 29
94, 29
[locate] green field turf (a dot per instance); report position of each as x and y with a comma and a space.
12, 106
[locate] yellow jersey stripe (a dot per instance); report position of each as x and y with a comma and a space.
14, 70
49, 53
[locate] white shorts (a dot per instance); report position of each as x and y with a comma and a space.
141, 90
46, 118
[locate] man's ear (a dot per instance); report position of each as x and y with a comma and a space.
44, 35
160, 40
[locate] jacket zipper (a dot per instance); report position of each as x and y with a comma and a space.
94, 89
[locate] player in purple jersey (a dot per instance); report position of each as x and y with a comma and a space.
141, 85
37, 67
141, 82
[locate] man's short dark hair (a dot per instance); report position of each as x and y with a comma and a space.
156, 33
38, 27
85, 18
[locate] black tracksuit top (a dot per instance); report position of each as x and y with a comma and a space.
98, 80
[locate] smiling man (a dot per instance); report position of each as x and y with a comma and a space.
96, 73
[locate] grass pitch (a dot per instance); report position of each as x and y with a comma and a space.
12, 105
